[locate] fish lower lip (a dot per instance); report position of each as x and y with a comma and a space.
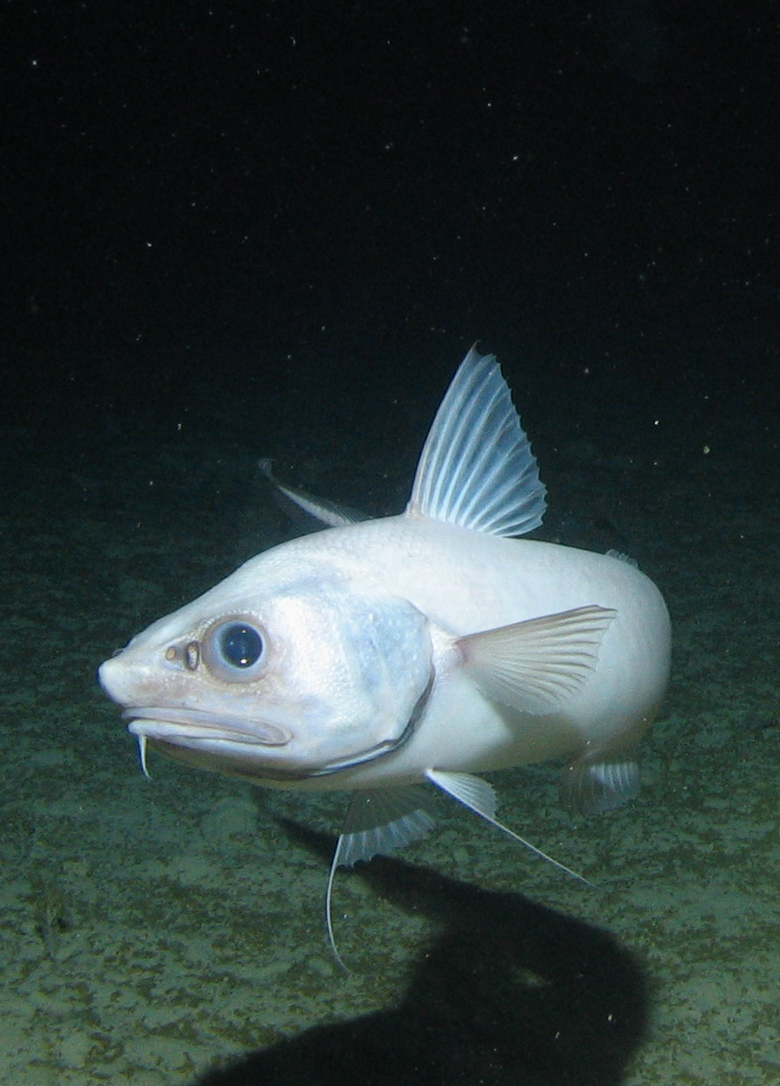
195, 725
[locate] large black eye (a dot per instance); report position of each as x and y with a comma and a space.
233, 650
240, 645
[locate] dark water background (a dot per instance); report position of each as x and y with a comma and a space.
274, 230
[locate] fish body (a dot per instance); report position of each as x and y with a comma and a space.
373, 656
400, 580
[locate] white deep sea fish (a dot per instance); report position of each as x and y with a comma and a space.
373, 657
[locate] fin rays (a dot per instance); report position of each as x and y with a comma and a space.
367, 832
476, 468
535, 665
378, 822
480, 798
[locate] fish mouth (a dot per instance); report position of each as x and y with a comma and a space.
208, 739
196, 736
193, 726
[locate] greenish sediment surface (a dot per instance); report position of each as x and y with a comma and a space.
151, 929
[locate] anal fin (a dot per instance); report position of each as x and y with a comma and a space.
595, 785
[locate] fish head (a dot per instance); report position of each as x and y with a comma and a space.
302, 681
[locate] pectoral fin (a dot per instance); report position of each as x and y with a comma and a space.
535, 666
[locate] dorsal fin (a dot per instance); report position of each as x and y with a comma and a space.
328, 512
476, 468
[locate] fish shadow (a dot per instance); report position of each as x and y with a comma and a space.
509, 992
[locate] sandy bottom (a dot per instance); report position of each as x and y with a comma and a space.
169, 931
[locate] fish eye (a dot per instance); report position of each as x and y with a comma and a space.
233, 650
240, 645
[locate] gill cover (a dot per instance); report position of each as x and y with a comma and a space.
348, 675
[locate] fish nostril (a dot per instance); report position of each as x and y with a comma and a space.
185, 654
192, 656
